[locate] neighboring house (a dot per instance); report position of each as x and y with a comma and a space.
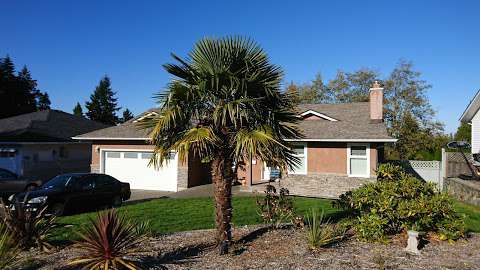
472, 117
342, 147
39, 144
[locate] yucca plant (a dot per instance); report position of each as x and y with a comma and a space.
28, 228
224, 105
320, 232
8, 248
108, 241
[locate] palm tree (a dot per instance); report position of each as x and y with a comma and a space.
224, 106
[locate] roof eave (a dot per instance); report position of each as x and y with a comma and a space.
471, 109
343, 140
110, 139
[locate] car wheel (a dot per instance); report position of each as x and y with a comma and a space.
117, 201
57, 209
31, 187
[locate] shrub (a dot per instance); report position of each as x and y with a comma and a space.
321, 232
276, 209
403, 203
389, 172
28, 228
108, 240
8, 248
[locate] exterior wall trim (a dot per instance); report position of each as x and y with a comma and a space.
349, 145
110, 139
321, 115
342, 140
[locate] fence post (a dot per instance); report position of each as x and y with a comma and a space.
443, 169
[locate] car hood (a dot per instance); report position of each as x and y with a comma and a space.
38, 193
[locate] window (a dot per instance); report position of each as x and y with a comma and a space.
358, 160
130, 155
104, 181
147, 155
7, 154
113, 154
85, 183
300, 153
4, 174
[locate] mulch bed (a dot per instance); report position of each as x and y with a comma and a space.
259, 248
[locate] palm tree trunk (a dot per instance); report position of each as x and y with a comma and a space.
222, 181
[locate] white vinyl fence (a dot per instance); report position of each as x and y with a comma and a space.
430, 171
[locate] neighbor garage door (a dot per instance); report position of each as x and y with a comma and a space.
132, 167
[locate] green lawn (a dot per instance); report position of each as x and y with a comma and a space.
172, 215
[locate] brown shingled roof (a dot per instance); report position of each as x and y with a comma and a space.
353, 123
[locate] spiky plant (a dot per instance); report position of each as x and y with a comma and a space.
28, 228
8, 248
320, 232
224, 106
108, 241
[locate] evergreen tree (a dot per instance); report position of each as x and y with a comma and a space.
77, 110
43, 101
127, 115
102, 106
18, 92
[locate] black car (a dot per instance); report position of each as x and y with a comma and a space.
75, 192
10, 183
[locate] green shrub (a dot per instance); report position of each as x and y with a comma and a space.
320, 232
391, 205
388, 171
276, 209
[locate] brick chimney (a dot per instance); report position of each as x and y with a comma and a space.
376, 103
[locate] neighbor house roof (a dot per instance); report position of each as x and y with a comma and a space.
471, 109
47, 125
337, 122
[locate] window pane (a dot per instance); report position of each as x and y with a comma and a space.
299, 149
358, 150
147, 155
130, 155
301, 167
113, 154
358, 166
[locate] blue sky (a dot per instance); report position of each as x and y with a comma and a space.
70, 45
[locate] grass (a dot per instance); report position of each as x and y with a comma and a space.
173, 215
472, 214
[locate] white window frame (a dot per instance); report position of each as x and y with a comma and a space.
350, 156
305, 154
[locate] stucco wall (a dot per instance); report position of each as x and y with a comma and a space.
327, 157
257, 171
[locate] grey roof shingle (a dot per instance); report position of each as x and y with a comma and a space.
47, 125
353, 123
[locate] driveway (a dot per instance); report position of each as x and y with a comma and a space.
194, 192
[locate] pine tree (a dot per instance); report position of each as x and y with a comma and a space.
127, 115
43, 101
102, 106
77, 110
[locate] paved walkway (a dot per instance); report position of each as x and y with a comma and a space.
194, 192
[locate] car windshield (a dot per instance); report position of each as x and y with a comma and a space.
59, 181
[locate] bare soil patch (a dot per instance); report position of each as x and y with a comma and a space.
260, 248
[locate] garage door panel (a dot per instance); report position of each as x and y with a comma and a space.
132, 167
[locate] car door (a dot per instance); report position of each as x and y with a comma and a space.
10, 183
82, 194
105, 190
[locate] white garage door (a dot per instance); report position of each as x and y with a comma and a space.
132, 167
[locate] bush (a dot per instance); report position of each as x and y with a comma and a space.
108, 240
276, 209
401, 203
389, 172
321, 232
8, 248
28, 228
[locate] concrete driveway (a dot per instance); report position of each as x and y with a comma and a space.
194, 192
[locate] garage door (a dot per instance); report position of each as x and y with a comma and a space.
132, 167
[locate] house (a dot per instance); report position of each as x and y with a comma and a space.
342, 147
39, 144
472, 117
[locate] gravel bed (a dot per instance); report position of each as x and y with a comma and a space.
259, 248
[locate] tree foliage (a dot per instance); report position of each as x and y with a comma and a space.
225, 106
408, 114
77, 110
102, 106
18, 91
464, 132
126, 115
